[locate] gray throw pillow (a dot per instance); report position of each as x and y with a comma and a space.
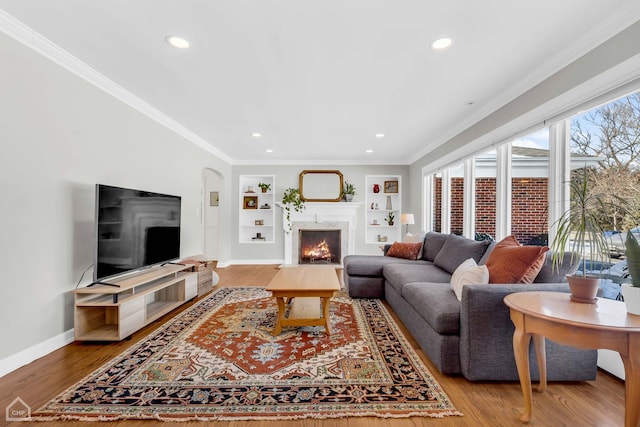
457, 249
433, 243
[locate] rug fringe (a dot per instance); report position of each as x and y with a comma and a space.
195, 417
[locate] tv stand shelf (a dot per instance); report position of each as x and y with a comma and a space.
108, 313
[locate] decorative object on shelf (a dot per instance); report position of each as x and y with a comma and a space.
580, 230
291, 200
259, 222
389, 205
265, 206
349, 191
250, 202
376, 207
382, 238
376, 188
259, 236
264, 187
373, 206
407, 219
390, 217
391, 186
375, 222
631, 291
214, 198
249, 189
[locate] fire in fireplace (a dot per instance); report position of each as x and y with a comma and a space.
319, 246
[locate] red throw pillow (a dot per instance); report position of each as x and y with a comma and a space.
509, 262
405, 250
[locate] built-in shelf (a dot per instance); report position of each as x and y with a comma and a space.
256, 209
383, 198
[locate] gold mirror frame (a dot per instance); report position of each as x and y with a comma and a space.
321, 185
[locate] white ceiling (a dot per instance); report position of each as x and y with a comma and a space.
318, 79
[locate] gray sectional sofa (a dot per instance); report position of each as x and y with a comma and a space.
472, 337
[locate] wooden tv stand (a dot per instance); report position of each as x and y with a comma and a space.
109, 313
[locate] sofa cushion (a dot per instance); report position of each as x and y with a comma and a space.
437, 305
510, 262
457, 249
433, 242
397, 275
468, 273
371, 265
405, 250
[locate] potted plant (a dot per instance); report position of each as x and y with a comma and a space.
349, 191
264, 187
291, 200
581, 230
390, 217
631, 291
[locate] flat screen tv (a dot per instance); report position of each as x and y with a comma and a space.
134, 229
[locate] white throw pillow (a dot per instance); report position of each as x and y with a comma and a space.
468, 273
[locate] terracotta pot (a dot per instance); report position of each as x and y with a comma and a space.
583, 289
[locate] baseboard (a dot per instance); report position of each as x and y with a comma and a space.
255, 261
28, 355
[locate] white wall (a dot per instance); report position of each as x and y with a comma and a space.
59, 137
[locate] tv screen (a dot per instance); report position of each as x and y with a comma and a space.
134, 229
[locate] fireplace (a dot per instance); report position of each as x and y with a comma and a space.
321, 216
319, 246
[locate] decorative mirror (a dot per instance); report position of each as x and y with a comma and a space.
321, 186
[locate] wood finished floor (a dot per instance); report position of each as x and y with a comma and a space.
594, 403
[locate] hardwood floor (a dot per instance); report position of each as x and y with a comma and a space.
594, 403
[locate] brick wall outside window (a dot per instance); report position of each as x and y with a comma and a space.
528, 209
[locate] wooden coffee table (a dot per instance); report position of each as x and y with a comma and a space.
604, 324
307, 291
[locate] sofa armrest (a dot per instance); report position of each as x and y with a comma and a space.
486, 337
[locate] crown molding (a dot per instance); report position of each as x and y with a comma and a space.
33, 40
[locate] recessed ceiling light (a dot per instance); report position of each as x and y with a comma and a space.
256, 134
441, 43
368, 151
379, 135
268, 150
177, 42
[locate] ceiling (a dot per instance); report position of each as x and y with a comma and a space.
319, 79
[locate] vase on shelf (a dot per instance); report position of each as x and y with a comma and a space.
389, 205
376, 188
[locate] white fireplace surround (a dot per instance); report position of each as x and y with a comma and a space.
321, 216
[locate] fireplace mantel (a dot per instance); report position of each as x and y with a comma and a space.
322, 213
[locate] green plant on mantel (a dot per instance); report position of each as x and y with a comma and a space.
348, 191
291, 200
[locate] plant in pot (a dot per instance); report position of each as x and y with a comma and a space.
631, 291
581, 230
349, 191
264, 187
291, 200
390, 217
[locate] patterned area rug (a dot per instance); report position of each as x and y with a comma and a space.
219, 361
